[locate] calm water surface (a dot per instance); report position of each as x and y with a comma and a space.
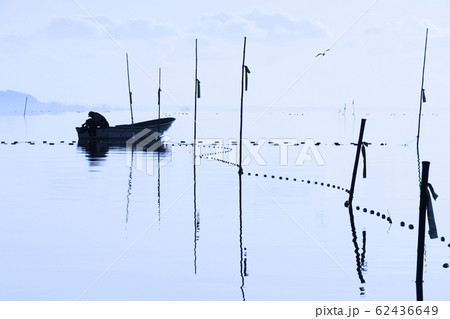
81, 222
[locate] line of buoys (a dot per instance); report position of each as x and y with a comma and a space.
44, 142
316, 143
372, 212
365, 210
234, 143
304, 181
34, 143
210, 156
403, 224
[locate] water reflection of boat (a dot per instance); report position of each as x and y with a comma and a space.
126, 131
97, 150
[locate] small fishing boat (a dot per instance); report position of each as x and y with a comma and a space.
97, 128
125, 131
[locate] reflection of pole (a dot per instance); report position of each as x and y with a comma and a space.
355, 168
363, 254
355, 243
195, 220
159, 185
242, 259
242, 107
130, 179
421, 236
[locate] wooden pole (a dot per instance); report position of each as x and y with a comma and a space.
129, 92
195, 101
159, 95
421, 235
159, 103
25, 109
422, 95
355, 168
242, 107
159, 150
242, 260
195, 150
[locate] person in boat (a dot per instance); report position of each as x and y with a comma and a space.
95, 120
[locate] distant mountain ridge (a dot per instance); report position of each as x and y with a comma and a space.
13, 103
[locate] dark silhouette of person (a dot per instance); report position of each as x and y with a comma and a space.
95, 120
98, 120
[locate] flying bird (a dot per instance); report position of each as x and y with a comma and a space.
322, 53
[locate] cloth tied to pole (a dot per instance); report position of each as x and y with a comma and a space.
430, 214
131, 99
247, 72
424, 99
159, 96
198, 88
363, 151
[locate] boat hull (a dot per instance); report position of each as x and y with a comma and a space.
125, 132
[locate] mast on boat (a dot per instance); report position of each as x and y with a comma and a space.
129, 92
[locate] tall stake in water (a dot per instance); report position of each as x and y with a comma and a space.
129, 92
197, 95
244, 73
196, 91
421, 231
159, 94
159, 150
159, 102
355, 167
422, 100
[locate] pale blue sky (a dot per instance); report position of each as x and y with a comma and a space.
52, 50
